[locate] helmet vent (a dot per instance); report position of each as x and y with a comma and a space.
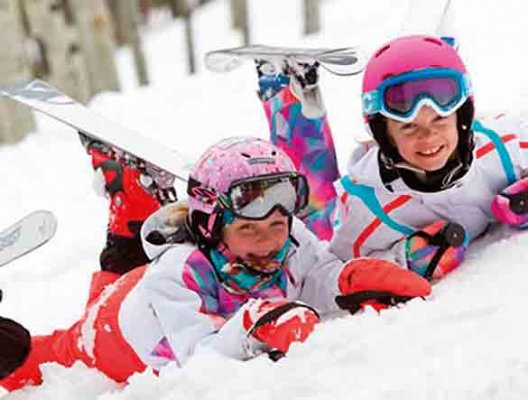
383, 49
434, 41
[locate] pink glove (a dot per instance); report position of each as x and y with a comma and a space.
511, 205
378, 283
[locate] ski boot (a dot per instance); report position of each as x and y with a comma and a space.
136, 189
302, 78
271, 79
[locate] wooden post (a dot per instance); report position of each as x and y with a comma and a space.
240, 19
191, 57
125, 17
174, 6
15, 119
96, 38
121, 16
144, 10
236, 15
185, 9
137, 49
61, 62
311, 16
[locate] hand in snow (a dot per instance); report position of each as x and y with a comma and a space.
437, 249
377, 283
278, 323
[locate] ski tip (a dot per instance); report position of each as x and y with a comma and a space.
26, 235
18, 86
48, 223
217, 61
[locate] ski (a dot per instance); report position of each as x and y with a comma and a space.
26, 235
42, 97
339, 61
430, 18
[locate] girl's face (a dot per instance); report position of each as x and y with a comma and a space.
428, 141
257, 240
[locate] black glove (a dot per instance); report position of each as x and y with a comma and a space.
15, 344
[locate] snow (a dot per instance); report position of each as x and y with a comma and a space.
467, 341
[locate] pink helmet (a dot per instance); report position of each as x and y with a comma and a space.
222, 164
407, 54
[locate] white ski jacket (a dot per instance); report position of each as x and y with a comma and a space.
371, 220
180, 305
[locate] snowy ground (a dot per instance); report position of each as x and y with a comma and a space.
468, 341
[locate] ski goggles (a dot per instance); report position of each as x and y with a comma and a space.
256, 198
401, 97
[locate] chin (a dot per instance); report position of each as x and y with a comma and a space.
432, 167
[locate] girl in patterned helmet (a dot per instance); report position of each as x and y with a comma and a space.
233, 272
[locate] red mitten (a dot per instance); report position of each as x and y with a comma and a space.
379, 283
279, 323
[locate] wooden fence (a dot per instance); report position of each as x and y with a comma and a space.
71, 44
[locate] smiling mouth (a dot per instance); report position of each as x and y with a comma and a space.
261, 258
432, 152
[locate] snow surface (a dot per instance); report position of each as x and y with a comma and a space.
467, 341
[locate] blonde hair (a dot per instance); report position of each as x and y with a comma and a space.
177, 214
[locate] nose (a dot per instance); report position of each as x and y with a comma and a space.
265, 240
426, 132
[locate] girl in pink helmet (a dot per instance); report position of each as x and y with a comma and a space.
432, 179
234, 271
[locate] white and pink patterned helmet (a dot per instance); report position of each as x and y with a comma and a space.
231, 160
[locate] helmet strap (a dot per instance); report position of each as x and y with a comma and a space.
207, 229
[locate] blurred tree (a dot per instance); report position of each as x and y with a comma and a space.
15, 120
311, 16
137, 48
178, 8
186, 8
97, 43
54, 47
125, 14
181, 9
144, 10
121, 17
